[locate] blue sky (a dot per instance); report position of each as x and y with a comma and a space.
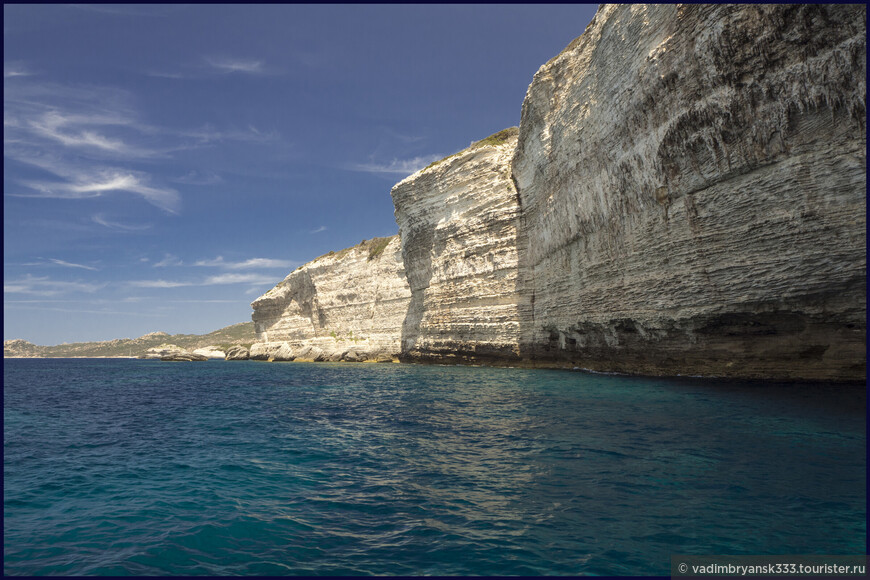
164, 165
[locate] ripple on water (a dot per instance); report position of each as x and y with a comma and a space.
118, 467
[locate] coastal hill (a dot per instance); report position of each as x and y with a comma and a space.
685, 195
241, 334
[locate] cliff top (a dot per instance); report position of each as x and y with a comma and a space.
358, 256
494, 140
375, 247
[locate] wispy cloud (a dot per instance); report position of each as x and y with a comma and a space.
219, 280
168, 260
396, 166
77, 134
404, 138
45, 286
15, 69
71, 264
56, 262
318, 230
95, 141
87, 311
207, 135
97, 185
158, 284
194, 177
219, 262
239, 279
164, 74
236, 65
208, 67
65, 130
100, 219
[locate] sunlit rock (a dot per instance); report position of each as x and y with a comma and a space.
458, 223
348, 302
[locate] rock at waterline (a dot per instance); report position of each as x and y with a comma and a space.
237, 352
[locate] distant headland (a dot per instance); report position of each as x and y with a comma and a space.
224, 339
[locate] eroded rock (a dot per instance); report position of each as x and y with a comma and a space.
237, 352
171, 352
211, 352
458, 222
355, 299
692, 181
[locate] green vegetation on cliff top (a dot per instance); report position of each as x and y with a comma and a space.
375, 247
493, 140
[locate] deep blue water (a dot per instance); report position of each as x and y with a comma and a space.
143, 467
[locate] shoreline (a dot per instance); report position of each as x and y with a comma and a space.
712, 379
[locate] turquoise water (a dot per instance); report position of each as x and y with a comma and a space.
142, 467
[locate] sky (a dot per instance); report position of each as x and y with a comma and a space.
165, 165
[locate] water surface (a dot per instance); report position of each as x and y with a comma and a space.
143, 467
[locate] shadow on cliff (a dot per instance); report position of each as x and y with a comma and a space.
416, 249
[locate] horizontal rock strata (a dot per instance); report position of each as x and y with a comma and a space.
686, 194
458, 222
692, 181
347, 305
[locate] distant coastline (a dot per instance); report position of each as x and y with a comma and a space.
235, 334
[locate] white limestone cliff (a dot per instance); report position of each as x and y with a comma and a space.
346, 305
458, 223
692, 181
686, 195
211, 352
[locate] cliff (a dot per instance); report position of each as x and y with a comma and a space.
692, 181
346, 305
458, 222
685, 195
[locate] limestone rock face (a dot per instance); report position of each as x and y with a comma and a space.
692, 181
183, 357
237, 352
172, 352
347, 305
270, 351
211, 352
458, 223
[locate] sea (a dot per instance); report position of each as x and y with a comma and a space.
136, 467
